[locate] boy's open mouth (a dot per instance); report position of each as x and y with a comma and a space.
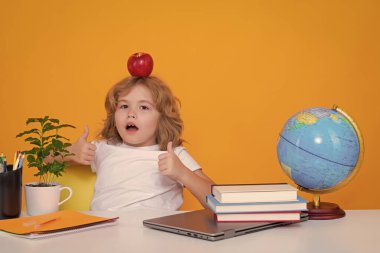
132, 127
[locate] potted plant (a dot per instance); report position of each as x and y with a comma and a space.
47, 154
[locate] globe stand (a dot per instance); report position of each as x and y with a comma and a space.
324, 210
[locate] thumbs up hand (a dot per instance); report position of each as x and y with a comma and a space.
170, 165
84, 151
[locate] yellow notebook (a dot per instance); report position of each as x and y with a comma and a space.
53, 224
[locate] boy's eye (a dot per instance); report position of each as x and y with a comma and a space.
123, 106
144, 107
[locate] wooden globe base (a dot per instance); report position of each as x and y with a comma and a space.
325, 211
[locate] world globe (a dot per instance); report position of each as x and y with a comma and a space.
321, 150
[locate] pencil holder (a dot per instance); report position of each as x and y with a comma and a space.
10, 193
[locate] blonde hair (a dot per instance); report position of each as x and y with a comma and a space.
170, 124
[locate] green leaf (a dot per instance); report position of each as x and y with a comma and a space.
44, 169
57, 143
32, 120
64, 126
44, 120
31, 158
47, 127
56, 121
40, 154
36, 142
32, 151
57, 136
66, 145
49, 147
31, 139
56, 167
31, 131
45, 153
33, 165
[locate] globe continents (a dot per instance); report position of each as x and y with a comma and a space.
320, 149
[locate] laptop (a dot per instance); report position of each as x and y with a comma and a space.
201, 224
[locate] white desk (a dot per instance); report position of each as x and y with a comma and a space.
357, 232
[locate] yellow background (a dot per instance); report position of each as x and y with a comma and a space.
240, 68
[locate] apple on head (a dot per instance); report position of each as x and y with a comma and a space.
140, 64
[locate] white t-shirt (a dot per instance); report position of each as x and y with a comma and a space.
129, 177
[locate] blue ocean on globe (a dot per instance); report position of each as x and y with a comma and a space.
318, 148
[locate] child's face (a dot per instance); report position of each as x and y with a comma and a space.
136, 117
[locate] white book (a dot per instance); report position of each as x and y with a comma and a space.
240, 193
247, 207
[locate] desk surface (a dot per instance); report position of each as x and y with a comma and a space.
354, 233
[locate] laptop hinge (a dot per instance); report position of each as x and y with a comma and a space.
229, 233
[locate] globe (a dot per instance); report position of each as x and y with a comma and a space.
321, 150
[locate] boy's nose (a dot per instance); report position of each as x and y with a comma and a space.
131, 116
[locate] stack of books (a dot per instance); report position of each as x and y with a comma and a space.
256, 202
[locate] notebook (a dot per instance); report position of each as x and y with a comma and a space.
201, 224
54, 224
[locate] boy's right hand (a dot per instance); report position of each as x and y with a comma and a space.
84, 152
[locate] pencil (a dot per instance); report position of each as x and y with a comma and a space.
15, 164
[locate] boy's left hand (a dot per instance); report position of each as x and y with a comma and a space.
170, 165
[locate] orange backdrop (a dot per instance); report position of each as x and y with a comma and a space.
240, 68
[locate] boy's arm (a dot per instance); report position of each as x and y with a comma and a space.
198, 184
195, 181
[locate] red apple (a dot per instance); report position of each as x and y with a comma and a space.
140, 64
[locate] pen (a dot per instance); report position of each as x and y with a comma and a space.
21, 161
39, 224
45, 222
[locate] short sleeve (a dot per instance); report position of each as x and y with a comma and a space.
186, 159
